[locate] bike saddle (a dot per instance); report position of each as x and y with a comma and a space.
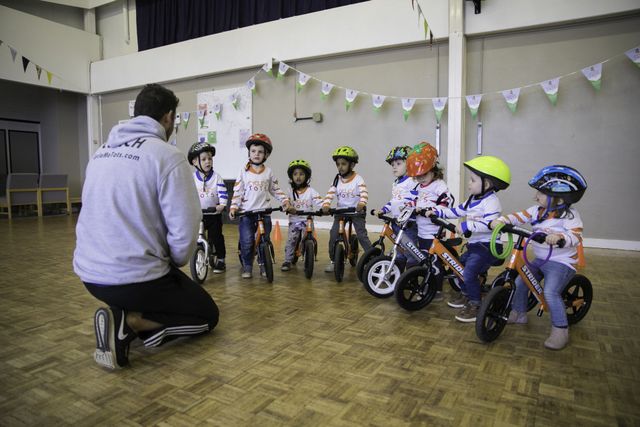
498, 262
451, 243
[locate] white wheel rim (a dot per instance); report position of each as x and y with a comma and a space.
201, 265
376, 279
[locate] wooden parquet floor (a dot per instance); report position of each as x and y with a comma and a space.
300, 352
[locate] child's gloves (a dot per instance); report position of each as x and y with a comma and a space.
325, 209
360, 206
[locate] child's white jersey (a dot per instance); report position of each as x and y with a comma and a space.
254, 187
478, 212
305, 200
436, 193
349, 192
402, 193
570, 226
211, 189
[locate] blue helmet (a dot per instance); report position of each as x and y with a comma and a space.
560, 181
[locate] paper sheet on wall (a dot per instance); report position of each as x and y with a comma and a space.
227, 128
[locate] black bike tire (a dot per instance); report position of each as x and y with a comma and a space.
338, 262
367, 256
495, 308
579, 282
267, 261
309, 258
405, 280
193, 265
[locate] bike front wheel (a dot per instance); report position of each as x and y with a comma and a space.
381, 276
577, 296
198, 265
338, 262
267, 260
353, 256
416, 288
309, 258
493, 314
367, 256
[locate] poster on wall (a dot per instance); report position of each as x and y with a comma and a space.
224, 120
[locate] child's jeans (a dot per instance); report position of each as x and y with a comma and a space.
359, 223
410, 232
556, 277
292, 239
477, 259
247, 228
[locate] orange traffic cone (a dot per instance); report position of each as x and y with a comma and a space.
277, 235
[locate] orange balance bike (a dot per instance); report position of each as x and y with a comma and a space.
346, 245
263, 247
307, 245
496, 306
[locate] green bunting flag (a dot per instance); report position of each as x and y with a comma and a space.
202, 110
325, 90
268, 68
282, 70
594, 75
378, 101
473, 101
303, 79
234, 101
49, 76
550, 87
251, 84
407, 106
185, 119
438, 105
426, 28
350, 97
634, 55
511, 96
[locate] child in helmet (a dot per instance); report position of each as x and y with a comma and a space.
558, 187
430, 191
351, 191
303, 198
488, 175
402, 194
253, 190
213, 195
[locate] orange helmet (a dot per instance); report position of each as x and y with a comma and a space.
260, 139
422, 159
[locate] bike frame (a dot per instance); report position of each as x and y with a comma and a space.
306, 234
202, 240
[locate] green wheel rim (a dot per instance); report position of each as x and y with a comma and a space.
494, 238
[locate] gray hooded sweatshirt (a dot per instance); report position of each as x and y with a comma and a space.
140, 208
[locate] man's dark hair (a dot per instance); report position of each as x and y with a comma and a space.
155, 101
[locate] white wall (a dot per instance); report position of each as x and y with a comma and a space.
112, 26
65, 15
65, 51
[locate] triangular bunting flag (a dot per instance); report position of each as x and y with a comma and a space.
407, 106
251, 84
177, 120
634, 55
594, 75
202, 111
185, 118
13, 53
426, 28
378, 101
25, 63
438, 105
268, 68
49, 76
511, 96
473, 101
550, 87
282, 70
38, 71
350, 95
326, 90
234, 101
217, 110
302, 80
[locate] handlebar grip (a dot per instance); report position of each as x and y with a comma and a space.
540, 237
561, 243
467, 234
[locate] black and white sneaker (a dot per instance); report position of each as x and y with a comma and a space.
220, 267
113, 337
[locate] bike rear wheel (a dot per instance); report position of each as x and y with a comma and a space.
493, 314
338, 262
267, 260
367, 256
577, 296
415, 288
309, 258
198, 265
381, 276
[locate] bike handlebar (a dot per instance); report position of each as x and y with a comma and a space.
308, 213
266, 211
382, 217
538, 236
342, 211
211, 211
444, 223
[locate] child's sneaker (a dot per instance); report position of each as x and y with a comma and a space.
459, 301
468, 313
329, 268
558, 339
286, 266
220, 267
112, 348
246, 274
438, 297
517, 318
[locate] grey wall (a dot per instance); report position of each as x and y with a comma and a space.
593, 131
66, 15
63, 126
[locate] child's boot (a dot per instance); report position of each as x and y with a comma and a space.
558, 339
517, 318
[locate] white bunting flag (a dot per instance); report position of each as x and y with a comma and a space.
551, 87
511, 96
438, 105
593, 73
473, 101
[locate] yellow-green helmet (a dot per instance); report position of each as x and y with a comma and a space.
345, 152
299, 164
492, 168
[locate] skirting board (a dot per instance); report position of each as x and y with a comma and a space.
624, 245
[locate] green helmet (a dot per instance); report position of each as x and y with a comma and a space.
492, 168
345, 152
299, 164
